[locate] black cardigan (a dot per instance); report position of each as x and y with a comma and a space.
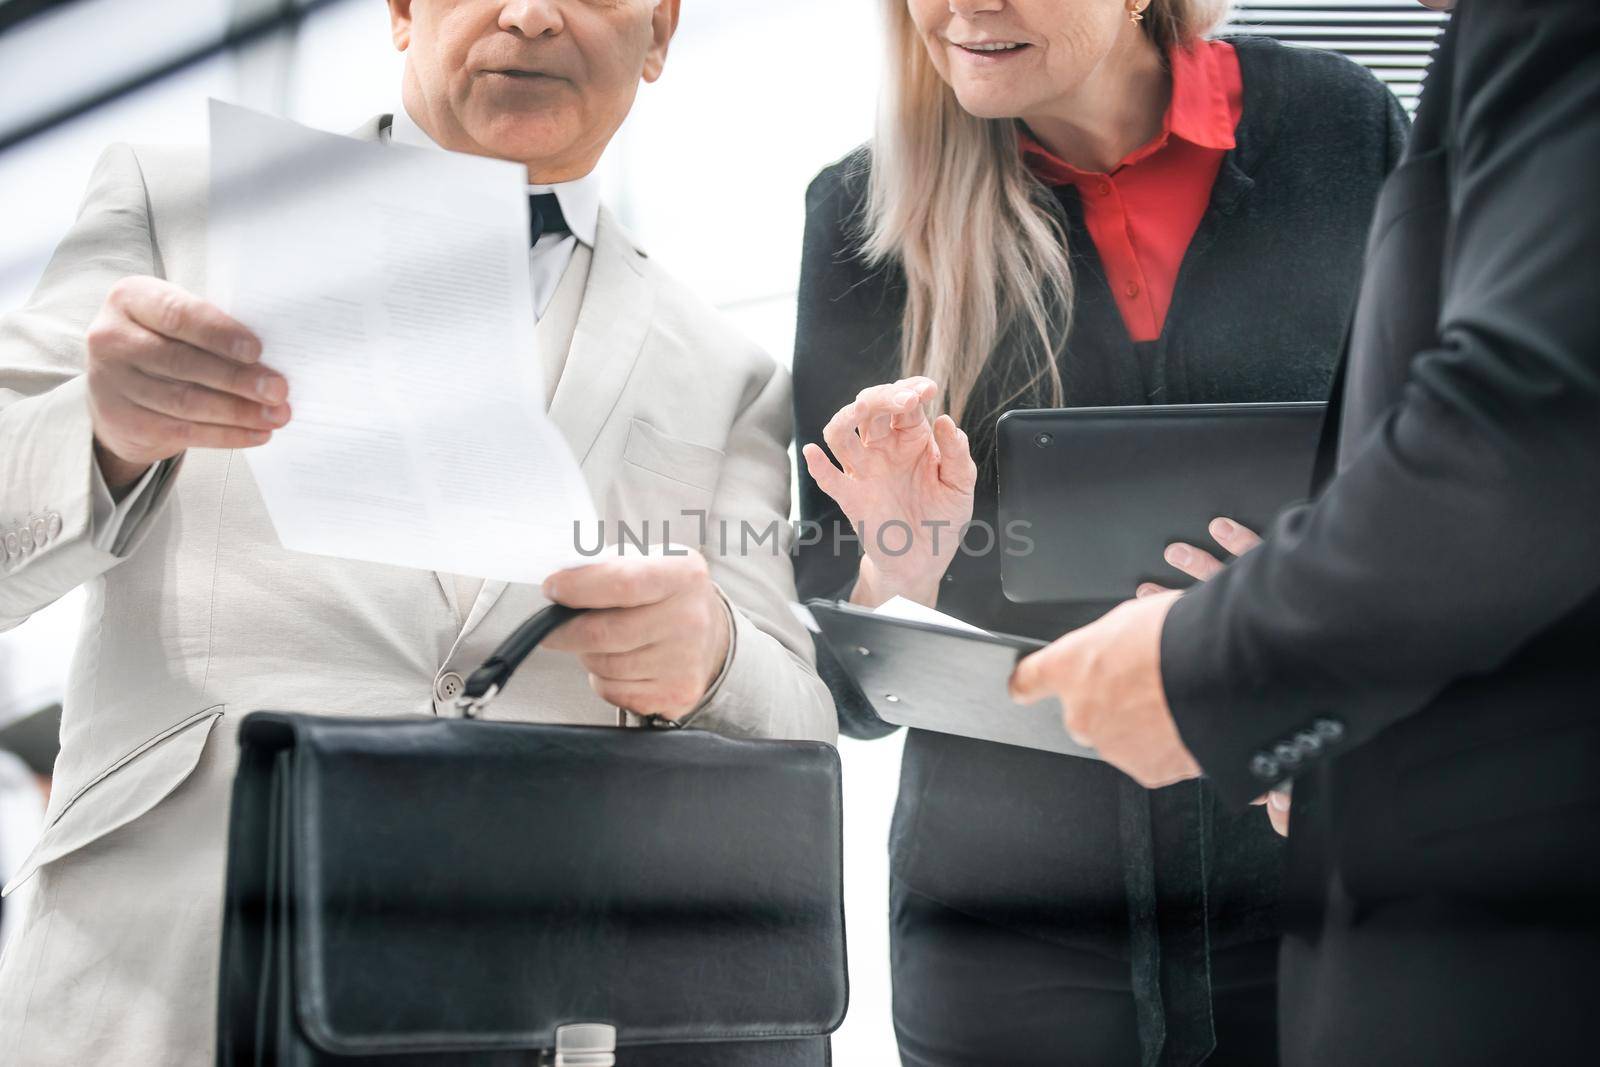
1068, 849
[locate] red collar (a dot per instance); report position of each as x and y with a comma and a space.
1199, 112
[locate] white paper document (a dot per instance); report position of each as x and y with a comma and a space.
911, 611
390, 286
898, 607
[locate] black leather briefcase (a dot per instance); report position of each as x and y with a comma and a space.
454, 892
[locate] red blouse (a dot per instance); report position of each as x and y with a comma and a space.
1143, 214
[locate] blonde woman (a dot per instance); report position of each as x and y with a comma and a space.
1068, 202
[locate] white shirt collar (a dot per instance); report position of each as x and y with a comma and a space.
579, 200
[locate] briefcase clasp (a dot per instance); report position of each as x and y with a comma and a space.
485, 683
583, 1045
471, 707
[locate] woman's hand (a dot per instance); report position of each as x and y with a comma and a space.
1277, 805
905, 484
1197, 562
1200, 564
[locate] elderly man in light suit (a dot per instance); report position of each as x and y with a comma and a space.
124, 401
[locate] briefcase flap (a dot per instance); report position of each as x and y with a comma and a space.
463, 885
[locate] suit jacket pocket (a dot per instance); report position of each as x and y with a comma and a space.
696, 466
665, 488
124, 791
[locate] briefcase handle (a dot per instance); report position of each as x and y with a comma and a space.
487, 681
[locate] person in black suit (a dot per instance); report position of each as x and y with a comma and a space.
1416, 649
1045, 909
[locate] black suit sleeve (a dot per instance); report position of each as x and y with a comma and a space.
846, 337
1464, 524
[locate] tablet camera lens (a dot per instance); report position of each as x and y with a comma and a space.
1043, 440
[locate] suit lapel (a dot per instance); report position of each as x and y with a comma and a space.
618, 307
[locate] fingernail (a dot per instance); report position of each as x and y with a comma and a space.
1177, 555
1279, 801
1222, 528
275, 415
904, 396
244, 350
271, 388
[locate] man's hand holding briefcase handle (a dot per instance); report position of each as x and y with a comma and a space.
454, 892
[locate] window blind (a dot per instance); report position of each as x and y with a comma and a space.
1392, 38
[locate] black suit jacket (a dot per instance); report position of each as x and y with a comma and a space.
1419, 646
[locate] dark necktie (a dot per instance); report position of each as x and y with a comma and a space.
544, 216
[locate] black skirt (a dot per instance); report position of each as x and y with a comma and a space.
1080, 919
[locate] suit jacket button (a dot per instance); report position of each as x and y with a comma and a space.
24, 538
1264, 767
53, 525
1287, 755
40, 536
1330, 730
1307, 743
448, 686
13, 545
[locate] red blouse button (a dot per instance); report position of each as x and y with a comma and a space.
1104, 189
1133, 289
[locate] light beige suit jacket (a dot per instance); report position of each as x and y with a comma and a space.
197, 616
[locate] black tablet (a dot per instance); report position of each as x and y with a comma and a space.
1091, 497
935, 678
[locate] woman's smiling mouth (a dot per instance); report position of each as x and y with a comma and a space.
991, 50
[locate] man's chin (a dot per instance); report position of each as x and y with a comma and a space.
526, 138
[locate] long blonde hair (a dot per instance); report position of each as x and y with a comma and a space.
978, 237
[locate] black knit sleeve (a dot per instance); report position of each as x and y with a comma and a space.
846, 335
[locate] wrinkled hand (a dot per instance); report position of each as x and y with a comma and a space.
895, 467
168, 371
658, 636
1107, 676
1197, 562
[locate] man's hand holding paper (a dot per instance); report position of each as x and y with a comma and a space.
168, 371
